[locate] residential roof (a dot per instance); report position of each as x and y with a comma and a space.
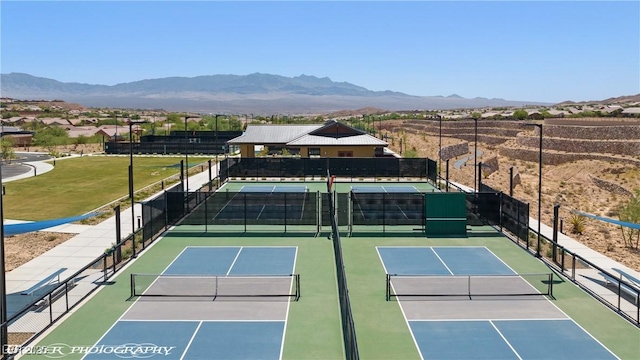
631, 110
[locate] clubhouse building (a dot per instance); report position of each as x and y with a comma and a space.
332, 139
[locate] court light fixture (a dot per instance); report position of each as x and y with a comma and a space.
539, 126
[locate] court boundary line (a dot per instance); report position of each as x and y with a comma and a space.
193, 336
505, 339
404, 315
234, 261
221, 320
286, 317
441, 261
489, 319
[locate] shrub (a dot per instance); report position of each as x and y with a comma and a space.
578, 223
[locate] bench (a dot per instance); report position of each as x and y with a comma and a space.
44, 282
632, 279
629, 290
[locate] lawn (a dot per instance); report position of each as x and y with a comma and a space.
79, 185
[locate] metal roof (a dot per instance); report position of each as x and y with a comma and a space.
272, 134
299, 135
314, 140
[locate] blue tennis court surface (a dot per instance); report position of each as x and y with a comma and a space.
442, 260
487, 328
276, 188
192, 330
195, 260
506, 339
192, 340
384, 189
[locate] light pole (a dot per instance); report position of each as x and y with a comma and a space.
216, 139
3, 279
475, 156
186, 154
440, 147
133, 222
539, 126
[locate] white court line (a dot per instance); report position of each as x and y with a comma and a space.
415, 342
286, 318
186, 348
234, 261
505, 340
439, 258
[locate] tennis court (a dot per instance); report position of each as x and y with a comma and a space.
265, 202
234, 300
378, 202
449, 293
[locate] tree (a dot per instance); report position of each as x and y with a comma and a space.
174, 118
520, 114
411, 153
476, 115
630, 212
6, 148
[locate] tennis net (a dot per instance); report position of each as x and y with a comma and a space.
215, 286
469, 286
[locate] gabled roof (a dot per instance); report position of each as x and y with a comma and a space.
335, 129
272, 134
331, 133
315, 140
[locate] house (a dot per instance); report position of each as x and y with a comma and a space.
333, 139
19, 137
87, 131
631, 111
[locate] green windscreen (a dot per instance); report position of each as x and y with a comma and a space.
446, 214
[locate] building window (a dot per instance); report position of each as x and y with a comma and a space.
314, 151
345, 153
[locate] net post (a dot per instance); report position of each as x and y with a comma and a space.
469, 285
388, 288
297, 286
285, 211
215, 290
244, 197
550, 288
350, 214
133, 285
384, 214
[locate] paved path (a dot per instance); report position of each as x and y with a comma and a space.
77, 252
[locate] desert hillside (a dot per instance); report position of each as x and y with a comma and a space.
588, 166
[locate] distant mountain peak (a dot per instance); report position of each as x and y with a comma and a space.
256, 93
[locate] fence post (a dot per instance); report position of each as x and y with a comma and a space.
511, 181
210, 178
447, 175
556, 207
118, 233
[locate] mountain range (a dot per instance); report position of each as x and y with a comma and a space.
255, 93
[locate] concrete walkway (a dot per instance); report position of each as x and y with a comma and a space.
77, 252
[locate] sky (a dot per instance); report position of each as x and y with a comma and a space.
547, 51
